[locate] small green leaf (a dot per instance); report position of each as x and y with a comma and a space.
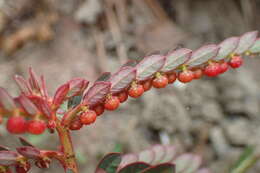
162, 168
245, 161
109, 163
135, 167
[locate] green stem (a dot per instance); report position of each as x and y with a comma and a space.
67, 146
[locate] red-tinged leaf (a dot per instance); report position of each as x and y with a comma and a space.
8, 158
33, 81
127, 159
147, 156
104, 77
24, 142
246, 41
171, 152
122, 79
22, 84
42, 105
204, 170
44, 87
3, 148
194, 164
29, 152
27, 105
109, 163
182, 162
77, 86
161, 168
176, 58
149, 66
256, 47
60, 94
159, 152
203, 54
97, 93
133, 167
227, 47
6, 100
70, 115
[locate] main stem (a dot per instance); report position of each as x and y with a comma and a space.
70, 162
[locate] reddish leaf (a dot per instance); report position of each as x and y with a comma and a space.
256, 47
133, 167
203, 54
24, 142
161, 168
61, 94
22, 84
8, 158
33, 81
147, 156
109, 163
104, 77
97, 93
148, 66
29, 152
127, 159
122, 79
6, 100
27, 105
246, 41
227, 47
176, 58
170, 154
159, 152
44, 88
77, 86
42, 105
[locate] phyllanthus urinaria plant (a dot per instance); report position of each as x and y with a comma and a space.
74, 106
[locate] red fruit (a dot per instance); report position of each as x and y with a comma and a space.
212, 69
99, 109
36, 127
197, 74
122, 97
147, 85
160, 81
185, 76
16, 125
112, 103
23, 168
88, 117
223, 67
235, 62
171, 78
136, 91
76, 125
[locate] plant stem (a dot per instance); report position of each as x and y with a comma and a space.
67, 146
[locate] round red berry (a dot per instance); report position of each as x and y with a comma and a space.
123, 96
88, 117
147, 85
171, 78
212, 70
76, 124
185, 76
197, 73
136, 91
160, 81
36, 127
16, 125
99, 109
236, 62
112, 103
223, 67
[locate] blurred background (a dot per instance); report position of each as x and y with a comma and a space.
61, 39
